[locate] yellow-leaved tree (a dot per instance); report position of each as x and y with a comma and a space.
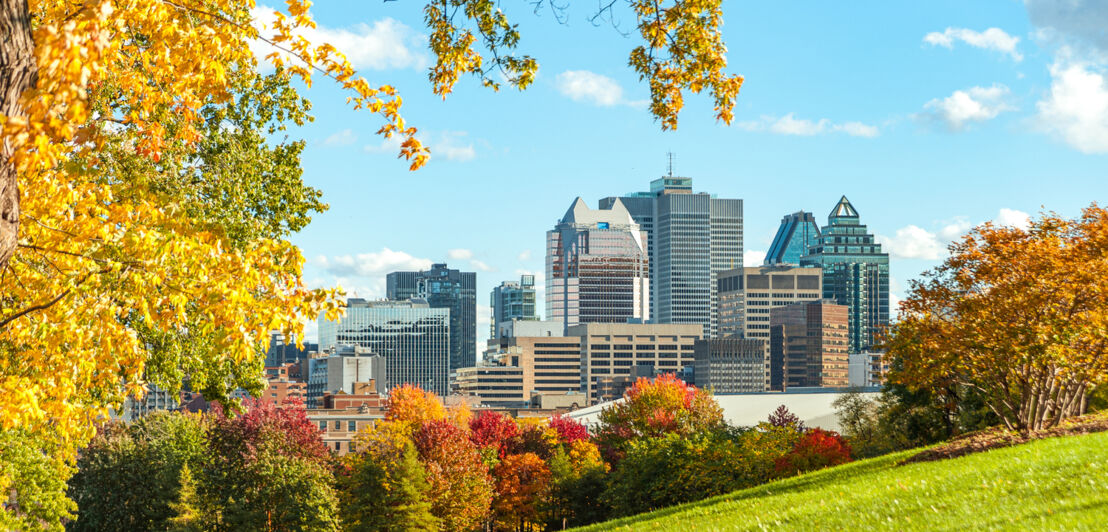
144, 213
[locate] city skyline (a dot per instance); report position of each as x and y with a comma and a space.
798, 143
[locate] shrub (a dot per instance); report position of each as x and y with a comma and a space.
816, 449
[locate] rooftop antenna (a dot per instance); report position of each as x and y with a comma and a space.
670, 155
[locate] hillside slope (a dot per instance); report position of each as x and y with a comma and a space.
1057, 483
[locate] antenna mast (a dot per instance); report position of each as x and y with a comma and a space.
670, 169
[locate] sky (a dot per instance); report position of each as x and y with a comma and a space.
931, 117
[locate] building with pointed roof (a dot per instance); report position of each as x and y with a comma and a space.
691, 238
855, 273
798, 233
597, 269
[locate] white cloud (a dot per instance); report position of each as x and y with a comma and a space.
973, 105
480, 266
753, 257
790, 125
590, 87
954, 230
524, 255
1076, 109
913, 242
1013, 218
459, 254
345, 137
1076, 22
389, 145
990, 39
384, 44
373, 264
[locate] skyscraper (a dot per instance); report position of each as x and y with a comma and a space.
855, 273
443, 287
596, 267
413, 337
797, 234
692, 237
512, 301
808, 344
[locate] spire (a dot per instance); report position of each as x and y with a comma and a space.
843, 210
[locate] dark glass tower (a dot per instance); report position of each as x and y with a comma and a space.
443, 287
513, 301
855, 274
798, 233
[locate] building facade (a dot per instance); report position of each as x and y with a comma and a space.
413, 338
597, 268
512, 301
344, 371
617, 352
282, 352
444, 288
798, 233
730, 365
524, 366
691, 237
808, 346
868, 370
855, 273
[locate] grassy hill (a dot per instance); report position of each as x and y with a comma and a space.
1055, 484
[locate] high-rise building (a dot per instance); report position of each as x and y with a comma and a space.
413, 337
868, 370
808, 346
512, 301
730, 365
614, 354
443, 287
855, 273
691, 237
281, 352
797, 234
596, 267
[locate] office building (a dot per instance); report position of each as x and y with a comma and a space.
281, 352
596, 267
855, 274
691, 237
730, 365
797, 234
524, 366
413, 338
808, 346
613, 353
444, 288
868, 370
512, 301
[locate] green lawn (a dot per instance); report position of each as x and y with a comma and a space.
1052, 484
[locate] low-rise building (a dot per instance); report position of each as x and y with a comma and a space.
868, 369
614, 353
730, 365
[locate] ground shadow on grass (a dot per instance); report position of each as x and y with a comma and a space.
808, 481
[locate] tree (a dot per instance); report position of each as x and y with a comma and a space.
653, 408
461, 489
32, 483
578, 477
386, 487
522, 481
412, 406
493, 430
816, 449
188, 513
785, 419
569, 430
1018, 315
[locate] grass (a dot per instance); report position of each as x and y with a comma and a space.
1049, 484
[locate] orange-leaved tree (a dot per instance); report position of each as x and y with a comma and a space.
1020, 315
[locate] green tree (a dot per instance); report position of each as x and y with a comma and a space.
386, 486
188, 512
32, 483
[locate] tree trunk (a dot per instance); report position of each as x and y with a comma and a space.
18, 73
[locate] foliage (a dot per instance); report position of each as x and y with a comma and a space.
411, 407
578, 479
783, 418
140, 465
653, 408
386, 486
460, 487
816, 449
569, 430
188, 513
32, 483
522, 480
493, 430
1018, 315
269, 470
1025, 487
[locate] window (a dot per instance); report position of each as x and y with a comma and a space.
352, 426
338, 425
323, 426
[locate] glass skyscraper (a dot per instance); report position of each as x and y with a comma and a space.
443, 287
855, 273
797, 234
413, 337
597, 268
512, 300
691, 238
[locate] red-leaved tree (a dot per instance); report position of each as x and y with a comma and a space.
569, 430
461, 489
816, 449
493, 430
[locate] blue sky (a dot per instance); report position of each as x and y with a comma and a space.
930, 116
